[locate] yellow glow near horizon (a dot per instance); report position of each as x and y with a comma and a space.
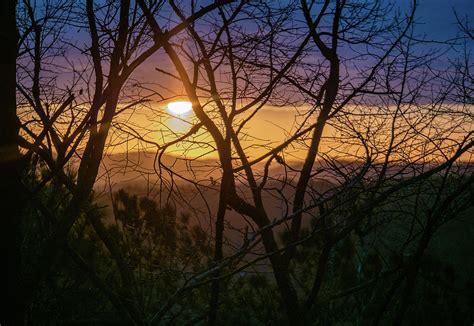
179, 108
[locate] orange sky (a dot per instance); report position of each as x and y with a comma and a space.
267, 129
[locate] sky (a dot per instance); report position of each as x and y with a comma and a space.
435, 19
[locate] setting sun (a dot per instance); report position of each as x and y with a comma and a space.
179, 108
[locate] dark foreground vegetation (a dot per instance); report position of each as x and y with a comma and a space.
148, 262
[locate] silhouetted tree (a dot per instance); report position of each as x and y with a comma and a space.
62, 122
357, 68
12, 195
380, 146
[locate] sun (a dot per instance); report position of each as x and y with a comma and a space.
179, 108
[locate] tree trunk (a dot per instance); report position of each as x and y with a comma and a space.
11, 194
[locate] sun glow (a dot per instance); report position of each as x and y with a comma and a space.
179, 108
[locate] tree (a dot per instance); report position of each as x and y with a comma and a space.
357, 67
381, 136
11, 166
62, 122
126, 272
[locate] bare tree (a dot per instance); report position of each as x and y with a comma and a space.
356, 66
380, 135
65, 119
